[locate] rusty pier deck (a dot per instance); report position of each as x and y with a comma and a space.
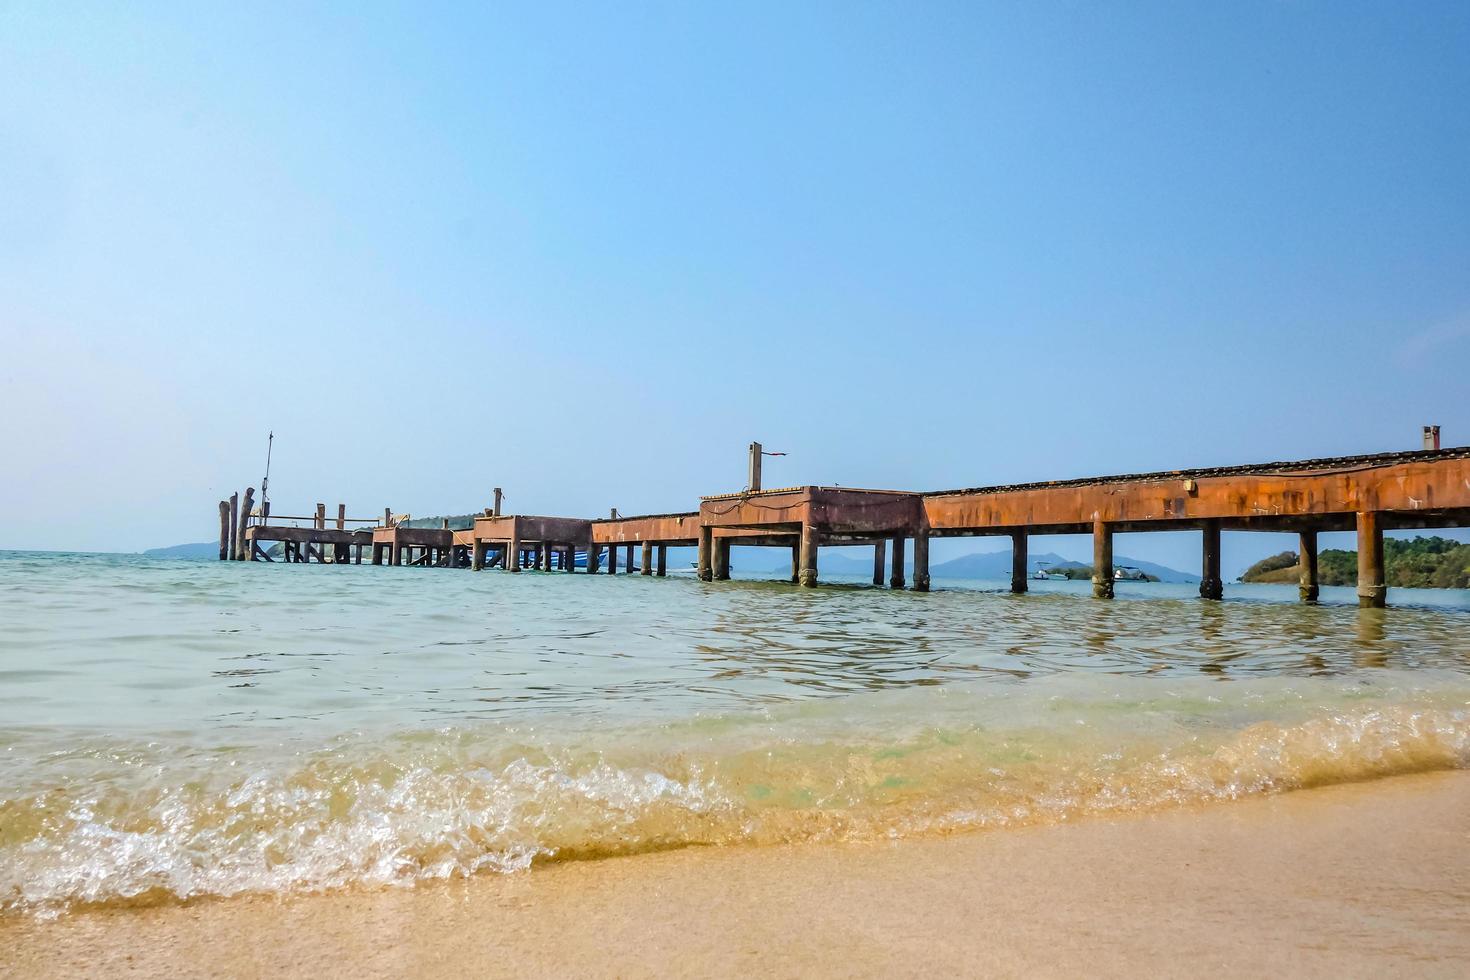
1368, 494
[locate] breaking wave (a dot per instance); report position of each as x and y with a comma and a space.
103, 822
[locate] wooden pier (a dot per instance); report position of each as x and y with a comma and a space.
1368, 494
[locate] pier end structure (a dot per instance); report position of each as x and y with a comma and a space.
654, 534
805, 518
526, 540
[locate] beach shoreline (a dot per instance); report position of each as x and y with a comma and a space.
1367, 878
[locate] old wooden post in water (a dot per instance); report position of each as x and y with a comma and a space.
240, 551
224, 529
234, 521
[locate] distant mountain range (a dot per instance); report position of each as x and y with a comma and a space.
989, 565
206, 549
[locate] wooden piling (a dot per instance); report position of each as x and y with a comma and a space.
513, 551
594, 559
321, 517
796, 561
1102, 560
880, 559
1372, 588
921, 560
647, 562
234, 523
341, 517
245, 505
1210, 585
496, 509
663, 560
612, 559
1019, 561
629, 556
809, 542
224, 530
703, 567
895, 580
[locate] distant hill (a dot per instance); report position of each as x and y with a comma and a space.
1418, 563
194, 552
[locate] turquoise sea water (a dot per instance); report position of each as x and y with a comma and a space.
170, 729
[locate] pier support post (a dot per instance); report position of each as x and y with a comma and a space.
341, 517
796, 561
706, 548
721, 559
663, 560
647, 562
612, 559
880, 558
921, 560
896, 578
377, 554
224, 530
629, 556
397, 554
477, 562
234, 522
594, 558
1372, 588
1102, 560
321, 517
245, 506
1210, 586
1019, 561
809, 540
1307, 589
513, 553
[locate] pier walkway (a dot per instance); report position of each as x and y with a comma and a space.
1368, 494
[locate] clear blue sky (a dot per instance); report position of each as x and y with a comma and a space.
587, 253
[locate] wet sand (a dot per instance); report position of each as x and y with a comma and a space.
1367, 880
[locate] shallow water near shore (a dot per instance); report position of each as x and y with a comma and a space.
175, 729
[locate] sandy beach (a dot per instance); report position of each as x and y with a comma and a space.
1370, 879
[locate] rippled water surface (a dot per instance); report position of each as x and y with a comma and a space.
171, 729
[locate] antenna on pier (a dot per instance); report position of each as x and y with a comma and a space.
266, 480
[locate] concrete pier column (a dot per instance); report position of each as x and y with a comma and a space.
796, 561
663, 560
513, 554
629, 563
809, 540
721, 559
1210, 585
594, 558
1102, 560
896, 580
1019, 561
1372, 587
377, 554
477, 561
880, 558
921, 560
704, 566
647, 562
396, 558
1307, 589
341, 517
612, 559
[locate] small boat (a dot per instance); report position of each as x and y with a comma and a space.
1045, 573
1127, 573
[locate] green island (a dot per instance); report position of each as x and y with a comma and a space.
1418, 563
